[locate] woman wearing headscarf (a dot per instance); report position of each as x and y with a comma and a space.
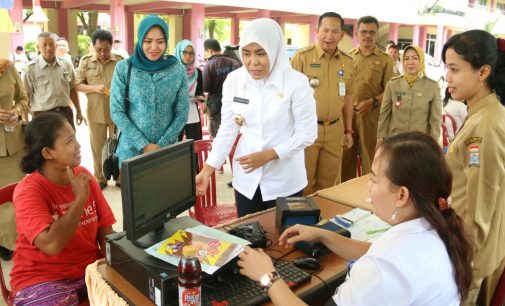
273, 107
158, 93
411, 102
13, 106
185, 53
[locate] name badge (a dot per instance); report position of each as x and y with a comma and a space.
341, 88
240, 100
315, 65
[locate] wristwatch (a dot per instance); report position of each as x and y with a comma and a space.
267, 280
375, 103
347, 131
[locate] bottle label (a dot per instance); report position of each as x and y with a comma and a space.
190, 296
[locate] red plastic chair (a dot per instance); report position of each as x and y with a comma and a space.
206, 209
499, 294
6, 193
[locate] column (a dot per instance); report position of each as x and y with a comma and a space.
16, 15
393, 31
186, 24
130, 33
439, 42
422, 38
234, 37
198, 29
313, 26
263, 14
62, 22
118, 20
415, 35
355, 41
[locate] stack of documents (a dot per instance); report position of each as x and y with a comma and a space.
362, 224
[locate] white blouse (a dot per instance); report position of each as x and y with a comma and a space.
278, 114
408, 265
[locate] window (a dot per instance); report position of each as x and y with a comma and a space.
431, 40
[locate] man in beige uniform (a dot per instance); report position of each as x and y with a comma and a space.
49, 81
93, 78
374, 68
330, 73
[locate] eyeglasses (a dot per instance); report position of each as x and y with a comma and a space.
188, 53
365, 32
105, 50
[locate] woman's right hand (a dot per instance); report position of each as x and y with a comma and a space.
150, 147
80, 184
202, 181
297, 233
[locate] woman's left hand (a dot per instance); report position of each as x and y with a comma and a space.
254, 263
348, 141
251, 162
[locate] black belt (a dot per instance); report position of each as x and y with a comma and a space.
326, 122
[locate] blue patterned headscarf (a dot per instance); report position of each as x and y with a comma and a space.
139, 59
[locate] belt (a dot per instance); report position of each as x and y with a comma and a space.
326, 122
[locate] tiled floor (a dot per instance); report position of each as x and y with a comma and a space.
113, 193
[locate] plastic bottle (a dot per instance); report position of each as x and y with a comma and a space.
190, 278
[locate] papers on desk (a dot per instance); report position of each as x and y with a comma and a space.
362, 224
205, 231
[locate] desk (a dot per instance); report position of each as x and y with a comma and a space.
334, 268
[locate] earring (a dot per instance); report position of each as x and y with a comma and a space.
394, 216
164, 57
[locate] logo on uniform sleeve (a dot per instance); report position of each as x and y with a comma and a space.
473, 161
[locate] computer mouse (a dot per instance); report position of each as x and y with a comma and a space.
306, 262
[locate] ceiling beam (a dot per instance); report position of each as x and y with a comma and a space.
153, 6
72, 4
227, 9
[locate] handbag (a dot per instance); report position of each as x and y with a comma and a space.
110, 161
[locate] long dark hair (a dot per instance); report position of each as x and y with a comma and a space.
41, 132
417, 162
480, 48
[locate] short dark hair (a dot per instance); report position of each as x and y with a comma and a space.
40, 133
212, 44
480, 48
368, 19
19, 48
102, 35
416, 161
394, 46
331, 15
117, 41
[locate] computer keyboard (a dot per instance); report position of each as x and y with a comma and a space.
237, 289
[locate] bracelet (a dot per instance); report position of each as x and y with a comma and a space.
347, 131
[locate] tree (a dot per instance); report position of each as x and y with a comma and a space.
89, 24
218, 28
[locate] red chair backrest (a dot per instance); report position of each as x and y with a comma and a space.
6, 194
202, 149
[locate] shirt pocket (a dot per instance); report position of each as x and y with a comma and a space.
376, 73
92, 77
41, 86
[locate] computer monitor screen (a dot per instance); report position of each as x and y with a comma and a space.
156, 187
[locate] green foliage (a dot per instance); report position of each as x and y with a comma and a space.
219, 29
30, 47
83, 42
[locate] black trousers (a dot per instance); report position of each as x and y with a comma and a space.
66, 111
256, 204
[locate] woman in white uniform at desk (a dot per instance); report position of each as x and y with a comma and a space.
424, 259
273, 107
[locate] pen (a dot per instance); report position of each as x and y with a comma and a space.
377, 230
343, 221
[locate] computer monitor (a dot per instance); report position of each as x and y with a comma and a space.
156, 187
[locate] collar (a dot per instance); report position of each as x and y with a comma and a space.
42, 62
112, 58
375, 51
320, 53
483, 103
418, 225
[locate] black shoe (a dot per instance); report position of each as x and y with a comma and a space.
5, 254
230, 184
102, 185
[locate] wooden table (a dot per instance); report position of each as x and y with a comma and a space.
313, 291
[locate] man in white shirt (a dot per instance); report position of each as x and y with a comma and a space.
19, 59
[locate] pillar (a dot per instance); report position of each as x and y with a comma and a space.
355, 41
415, 35
16, 15
118, 20
62, 22
393, 31
128, 44
197, 33
439, 42
235, 35
422, 38
263, 14
313, 26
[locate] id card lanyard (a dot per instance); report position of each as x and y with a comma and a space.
341, 83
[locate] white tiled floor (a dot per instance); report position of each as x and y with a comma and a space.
113, 193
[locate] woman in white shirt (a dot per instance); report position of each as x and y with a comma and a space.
424, 259
273, 107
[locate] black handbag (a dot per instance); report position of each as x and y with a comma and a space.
110, 161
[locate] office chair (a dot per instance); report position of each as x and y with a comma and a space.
206, 209
6, 193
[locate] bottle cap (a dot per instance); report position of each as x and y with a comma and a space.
189, 251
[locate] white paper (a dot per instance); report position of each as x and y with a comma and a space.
364, 221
